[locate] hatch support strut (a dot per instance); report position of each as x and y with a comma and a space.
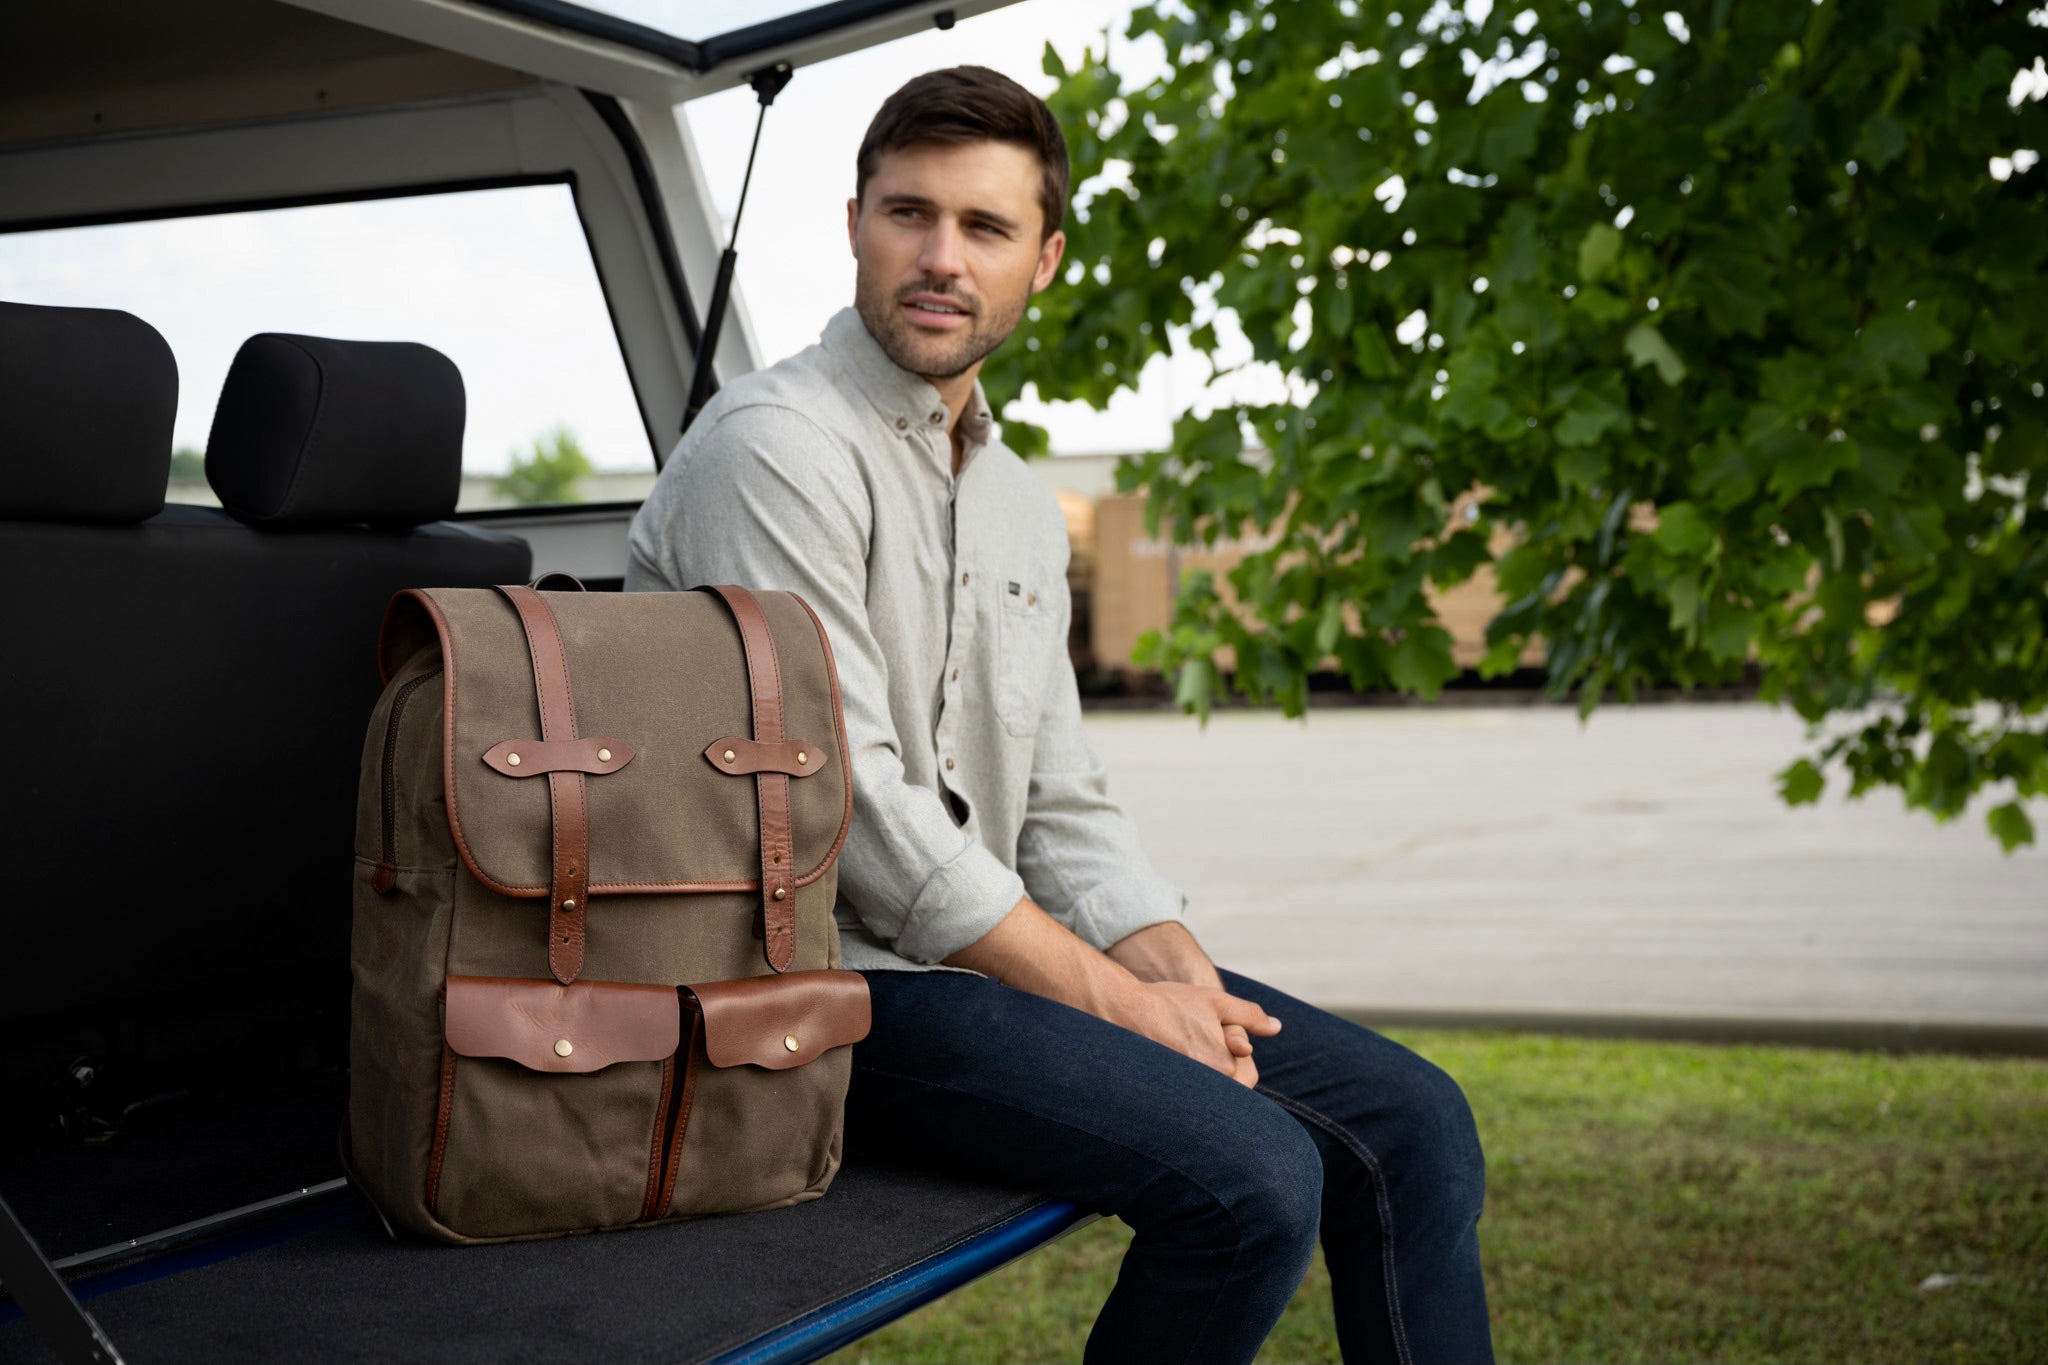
767, 83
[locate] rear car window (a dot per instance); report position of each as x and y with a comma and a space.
500, 280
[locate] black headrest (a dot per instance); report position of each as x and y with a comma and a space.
89, 396
312, 431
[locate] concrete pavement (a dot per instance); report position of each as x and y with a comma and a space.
1503, 862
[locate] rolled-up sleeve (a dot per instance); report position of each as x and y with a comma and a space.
1078, 851
770, 500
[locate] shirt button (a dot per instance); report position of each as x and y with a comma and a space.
956, 675
949, 765
938, 419
902, 424
963, 580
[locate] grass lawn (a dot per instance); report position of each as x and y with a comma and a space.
1673, 1202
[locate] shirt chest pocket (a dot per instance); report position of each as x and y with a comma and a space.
1027, 639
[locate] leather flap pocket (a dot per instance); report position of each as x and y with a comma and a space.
546, 1026
781, 1021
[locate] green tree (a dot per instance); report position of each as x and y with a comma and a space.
547, 473
188, 465
1734, 314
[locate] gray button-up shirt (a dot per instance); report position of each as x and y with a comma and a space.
830, 474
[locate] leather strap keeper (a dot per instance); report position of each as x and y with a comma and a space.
796, 757
535, 757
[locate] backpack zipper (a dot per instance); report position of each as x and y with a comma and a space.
386, 875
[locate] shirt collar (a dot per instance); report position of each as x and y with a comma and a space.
904, 401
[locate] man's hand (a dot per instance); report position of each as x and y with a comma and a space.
1204, 1022
1165, 952
1156, 982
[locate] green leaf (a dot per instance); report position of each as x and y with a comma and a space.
1727, 633
1511, 133
1503, 657
1598, 251
1601, 305
1369, 351
2010, 826
1421, 662
1683, 592
1587, 419
1682, 530
1882, 140
1723, 474
1196, 687
1581, 467
1799, 460
1904, 341
1646, 346
1801, 784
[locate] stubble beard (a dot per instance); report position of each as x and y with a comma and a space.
933, 357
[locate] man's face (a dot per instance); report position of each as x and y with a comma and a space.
946, 244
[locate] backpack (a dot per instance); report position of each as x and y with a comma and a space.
595, 961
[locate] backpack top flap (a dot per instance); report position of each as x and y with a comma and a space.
660, 692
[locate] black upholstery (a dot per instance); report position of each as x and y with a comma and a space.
88, 395
187, 697
312, 431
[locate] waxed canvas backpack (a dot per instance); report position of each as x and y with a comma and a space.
596, 968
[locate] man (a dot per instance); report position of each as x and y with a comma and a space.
1041, 1014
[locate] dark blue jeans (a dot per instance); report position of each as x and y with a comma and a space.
1349, 1136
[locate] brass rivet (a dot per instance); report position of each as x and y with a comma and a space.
1030, 599
568, 906
782, 893
789, 1041
563, 1047
512, 759
802, 757
604, 755
728, 755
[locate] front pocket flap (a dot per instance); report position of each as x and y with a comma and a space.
782, 1021
546, 1026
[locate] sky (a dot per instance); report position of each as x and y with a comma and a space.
502, 282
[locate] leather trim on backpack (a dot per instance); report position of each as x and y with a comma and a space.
391, 652
839, 723
771, 786
568, 792
571, 1030
443, 1107
778, 1022
537, 757
742, 757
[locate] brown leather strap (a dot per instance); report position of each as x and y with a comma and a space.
743, 757
567, 792
597, 755
778, 845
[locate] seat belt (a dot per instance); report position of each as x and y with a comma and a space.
767, 83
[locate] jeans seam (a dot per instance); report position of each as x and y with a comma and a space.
1350, 1141
1235, 1256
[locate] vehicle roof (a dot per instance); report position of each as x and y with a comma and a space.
128, 66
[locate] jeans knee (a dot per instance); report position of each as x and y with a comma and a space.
1447, 1141
1278, 1201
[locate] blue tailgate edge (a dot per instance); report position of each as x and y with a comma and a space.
824, 1330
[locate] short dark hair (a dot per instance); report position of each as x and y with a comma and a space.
970, 104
